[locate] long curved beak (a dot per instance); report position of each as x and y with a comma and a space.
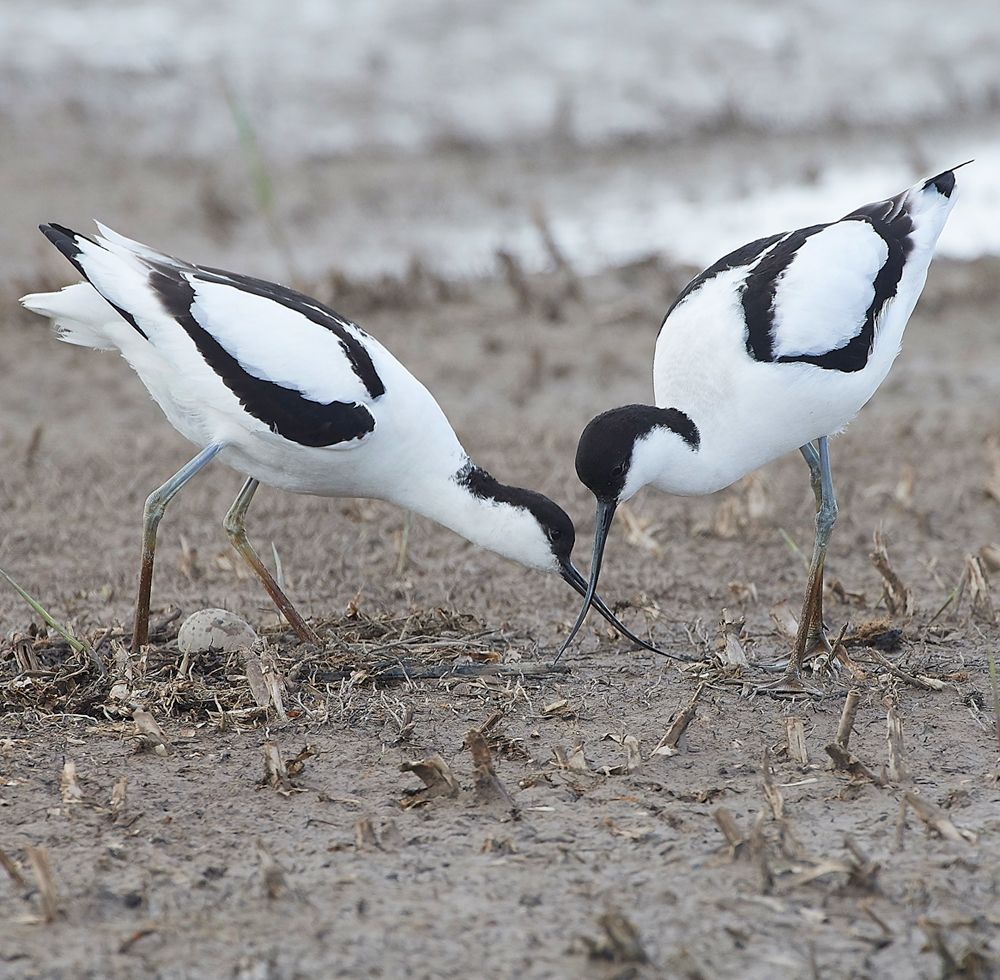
605, 515
579, 584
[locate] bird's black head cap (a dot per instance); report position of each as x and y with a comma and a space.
604, 453
554, 521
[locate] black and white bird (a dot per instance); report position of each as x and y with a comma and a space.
286, 391
777, 345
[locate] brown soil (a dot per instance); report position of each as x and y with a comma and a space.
179, 880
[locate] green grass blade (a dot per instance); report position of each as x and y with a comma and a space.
261, 181
80, 646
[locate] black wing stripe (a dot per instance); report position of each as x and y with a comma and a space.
891, 222
65, 240
742, 256
287, 412
318, 313
759, 289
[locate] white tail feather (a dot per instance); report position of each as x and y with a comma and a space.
80, 314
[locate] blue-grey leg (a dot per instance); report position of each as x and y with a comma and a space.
235, 525
156, 504
811, 634
811, 457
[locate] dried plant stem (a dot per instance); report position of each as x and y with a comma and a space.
993, 688
261, 180
795, 739
847, 716
898, 598
7, 863
898, 772
901, 674
559, 260
935, 818
668, 744
772, 792
516, 279
404, 545
845, 762
489, 789
38, 857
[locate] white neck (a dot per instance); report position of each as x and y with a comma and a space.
663, 459
506, 528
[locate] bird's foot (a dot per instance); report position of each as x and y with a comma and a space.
790, 686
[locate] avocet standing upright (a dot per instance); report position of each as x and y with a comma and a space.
287, 392
778, 344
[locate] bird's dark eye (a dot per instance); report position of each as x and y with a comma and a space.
619, 469
554, 533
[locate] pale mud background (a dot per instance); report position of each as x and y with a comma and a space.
172, 886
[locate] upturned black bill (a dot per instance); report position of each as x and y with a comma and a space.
605, 515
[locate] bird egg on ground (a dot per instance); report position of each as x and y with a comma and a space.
214, 629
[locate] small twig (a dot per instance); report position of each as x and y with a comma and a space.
900, 826
68, 785
901, 674
34, 442
935, 939
365, 838
150, 733
444, 671
758, 851
118, 796
633, 757
979, 588
127, 945
837, 651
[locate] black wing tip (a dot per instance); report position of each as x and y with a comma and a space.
67, 241
944, 183
64, 239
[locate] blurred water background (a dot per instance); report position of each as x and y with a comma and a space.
431, 129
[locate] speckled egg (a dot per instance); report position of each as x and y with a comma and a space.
214, 629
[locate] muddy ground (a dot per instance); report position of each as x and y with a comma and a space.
177, 879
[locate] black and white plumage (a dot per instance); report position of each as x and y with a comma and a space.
775, 346
284, 390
